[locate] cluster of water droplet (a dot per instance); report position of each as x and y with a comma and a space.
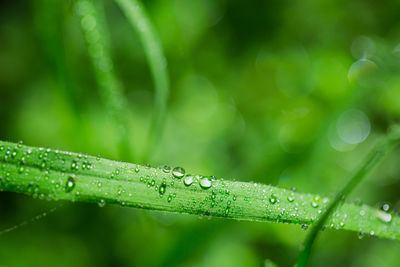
168, 182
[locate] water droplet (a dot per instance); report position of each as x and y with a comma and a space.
205, 183
372, 233
213, 196
315, 201
21, 169
163, 188
136, 169
70, 184
314, 204
273, 199
120, 190
74, 165
226, 211
166, 168
361, 235
385, 207
384, 216
188, 180
101, 203
304, 226
178, 172
290, 198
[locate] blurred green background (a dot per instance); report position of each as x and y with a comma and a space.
290, 93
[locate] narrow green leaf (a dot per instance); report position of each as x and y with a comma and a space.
56, 175
111, 90
137, 17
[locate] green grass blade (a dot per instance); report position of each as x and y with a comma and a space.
137, 17
369, 163
56, 175
111, 90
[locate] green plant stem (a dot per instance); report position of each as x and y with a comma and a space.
375, 156
137, 17
56, 175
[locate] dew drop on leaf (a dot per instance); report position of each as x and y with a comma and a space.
20, 143
361, 235
205, 183
315, 201
385, 207
273, 198
290, 198
314, 204
372, 233
21, 169
166, 168
178, 172
384, 216
74, 165
70, 184
163, 188
188, 180
101, 203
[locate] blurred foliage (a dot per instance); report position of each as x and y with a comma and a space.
290, 93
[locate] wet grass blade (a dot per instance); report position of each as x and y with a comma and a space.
137, 17
376, 155
55, 175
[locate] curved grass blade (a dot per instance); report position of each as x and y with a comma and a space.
369, 163
137, 17
111, 90
56, 175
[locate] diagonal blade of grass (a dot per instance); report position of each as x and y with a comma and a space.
137, 17
376, 155
56, 175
